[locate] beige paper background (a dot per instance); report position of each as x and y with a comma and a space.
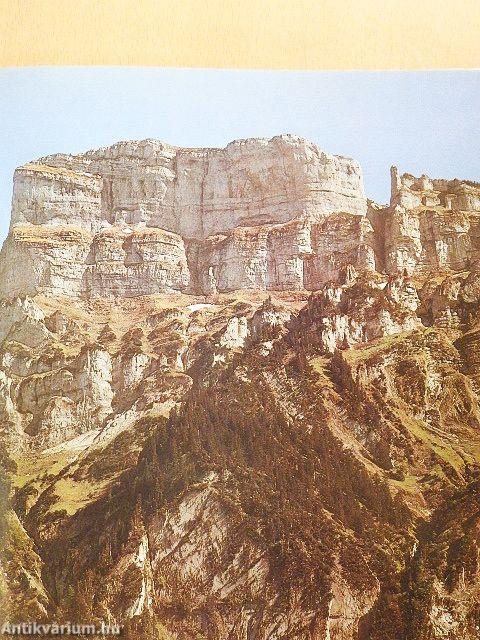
276, 34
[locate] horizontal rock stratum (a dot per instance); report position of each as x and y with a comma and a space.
144, 217
238, 399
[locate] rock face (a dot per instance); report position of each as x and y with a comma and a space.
142, 213
237, 399
140, 218
194, 193
432, 224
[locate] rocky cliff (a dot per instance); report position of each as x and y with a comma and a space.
239, 400
143, 217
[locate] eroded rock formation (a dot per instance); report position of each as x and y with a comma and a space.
156, 217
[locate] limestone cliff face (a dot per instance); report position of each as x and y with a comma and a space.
237, 399
140, 218
199, 192
432, 224
164, 219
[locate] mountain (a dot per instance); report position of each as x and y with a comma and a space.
238, 399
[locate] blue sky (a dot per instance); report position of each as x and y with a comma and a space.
424, 122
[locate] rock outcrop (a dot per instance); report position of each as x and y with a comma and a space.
140, 218
194, 193
432, 224
164, 219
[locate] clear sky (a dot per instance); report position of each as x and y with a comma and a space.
426, 122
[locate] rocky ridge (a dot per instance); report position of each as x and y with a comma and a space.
238, 399
141, 218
